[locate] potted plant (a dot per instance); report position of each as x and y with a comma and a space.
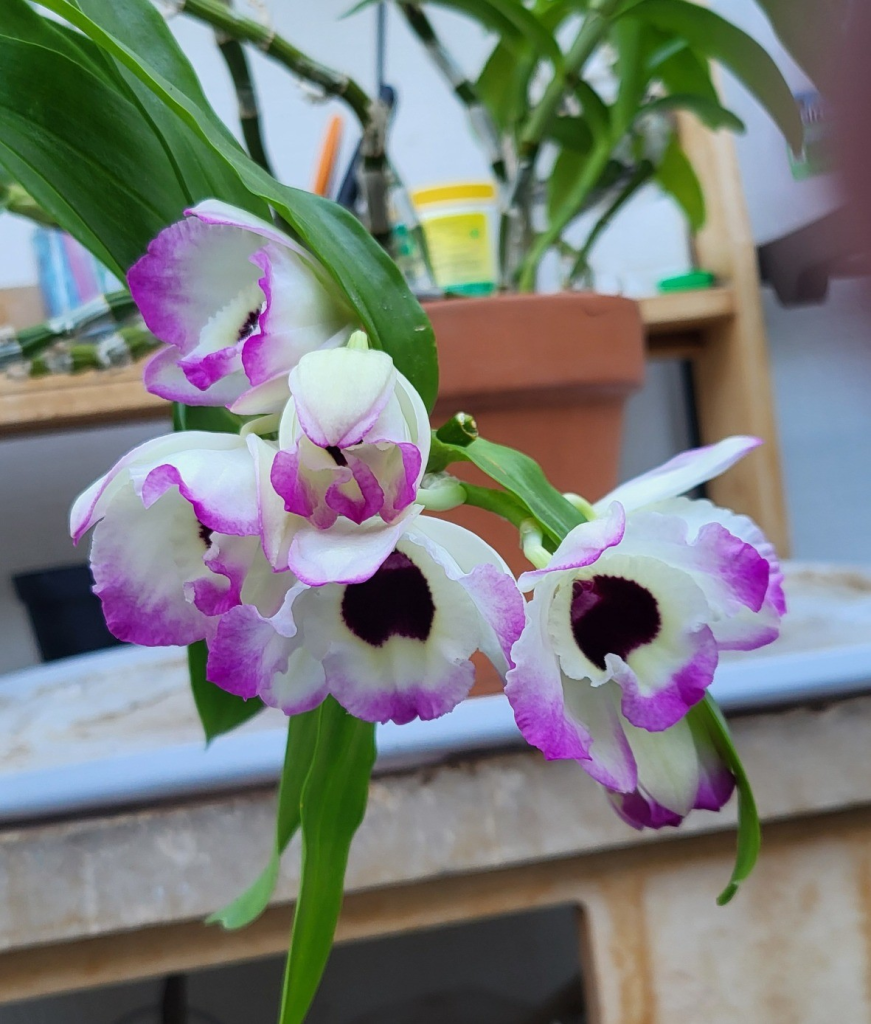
280, 534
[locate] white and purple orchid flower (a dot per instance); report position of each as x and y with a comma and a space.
176, 533
393, 647
626, 624
238, 303
338, 488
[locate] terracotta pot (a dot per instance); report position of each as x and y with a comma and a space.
548, 374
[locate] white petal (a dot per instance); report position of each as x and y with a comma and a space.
680, 474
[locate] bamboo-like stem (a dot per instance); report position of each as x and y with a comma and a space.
246, 96
216, 14
15, 199
466, 92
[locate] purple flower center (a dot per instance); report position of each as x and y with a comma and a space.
247, 328
205, 533
612, 615
337, 455
396, 601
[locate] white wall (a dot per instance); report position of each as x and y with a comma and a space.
821, 356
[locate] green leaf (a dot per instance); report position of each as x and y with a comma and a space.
571, 133
675, 175
219, 711
708, 111
203, 173
811, 31
504, 83
333, 804
722, 41
84, 153
626, 35
370, 280
514, 471
708, 715
682, 70
302, 734
595, 111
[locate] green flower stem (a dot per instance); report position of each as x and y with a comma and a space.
15, 199
466, 92
531, 541
216, 14
500, 503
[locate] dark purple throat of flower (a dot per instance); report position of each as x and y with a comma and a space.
612, 615
250, 324
396, 601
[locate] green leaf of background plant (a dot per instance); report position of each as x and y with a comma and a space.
675, 175
370, 280
302, 734
683, 70
722, 41
504, 83
84, 153
811, 30
709, 715
333, 804
595, 111
708, 111
219, 710
571, 133
626, 35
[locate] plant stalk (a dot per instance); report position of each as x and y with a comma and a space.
216, 14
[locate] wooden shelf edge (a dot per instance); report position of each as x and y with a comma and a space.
674, 325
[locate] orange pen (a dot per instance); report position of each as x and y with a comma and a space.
327, 159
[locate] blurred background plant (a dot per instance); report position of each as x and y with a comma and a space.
576, 107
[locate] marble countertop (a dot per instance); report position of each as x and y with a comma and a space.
119, 728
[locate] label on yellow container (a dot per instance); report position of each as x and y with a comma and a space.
460, 252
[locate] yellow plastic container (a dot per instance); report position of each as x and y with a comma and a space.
460, 225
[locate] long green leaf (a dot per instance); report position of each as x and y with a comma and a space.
203, 172
219, 711
302, 733
372, 283
708, 111
503, 84
84, 153
682, 70
675, 175
811, 31
333, 804
516, 472
722, 41
708, 714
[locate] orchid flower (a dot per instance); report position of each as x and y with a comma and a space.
627, 620
338, 487
176, 535
238, 302
394, 647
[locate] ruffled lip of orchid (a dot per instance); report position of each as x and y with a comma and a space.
582, 546
666, 706
206, 370
680, 474
640, 811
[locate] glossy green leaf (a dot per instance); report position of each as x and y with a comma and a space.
708, 111
722, 41
708, 715
84, 153
372, 283
514, 471
333, 804
302, 733
204, 174
675, 175
219, 711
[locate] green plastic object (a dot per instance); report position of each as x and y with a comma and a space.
693, 281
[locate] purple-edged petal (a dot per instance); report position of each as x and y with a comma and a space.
486, 578
300, 315
583, 545
680, 474
189, 272
164, 377
668, 765
534, 688
640, 811
397, 646
338, 395
142, 559
346, 553
216, 212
